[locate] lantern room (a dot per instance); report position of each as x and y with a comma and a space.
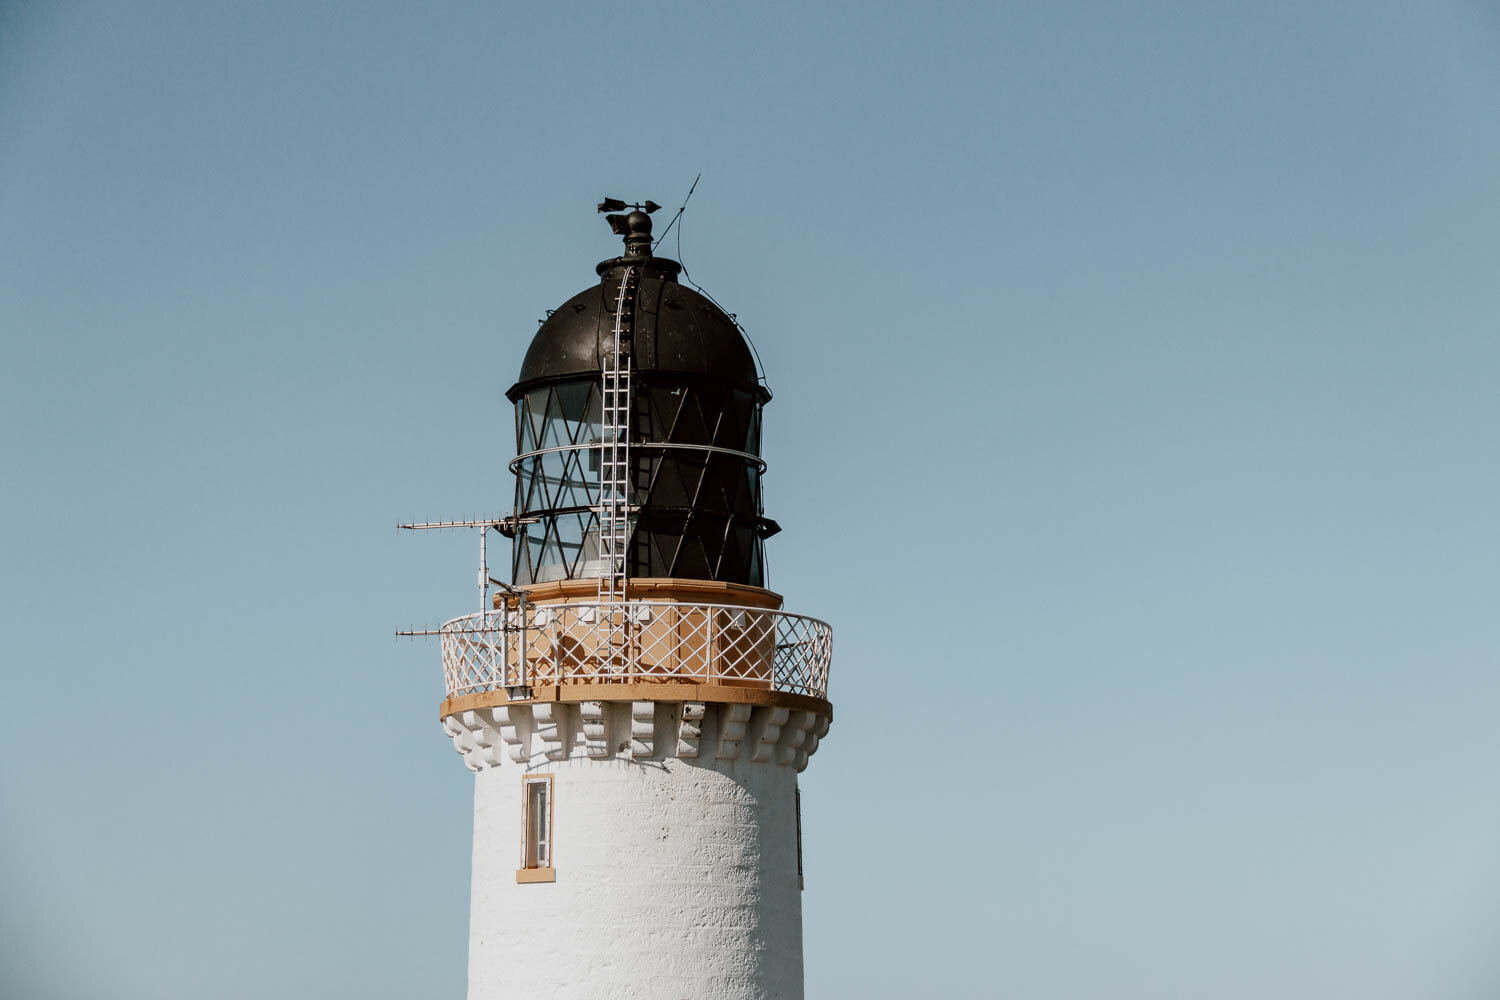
686, 436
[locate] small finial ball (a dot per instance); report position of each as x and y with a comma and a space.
638, 223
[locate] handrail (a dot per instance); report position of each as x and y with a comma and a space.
515, 463
636, 641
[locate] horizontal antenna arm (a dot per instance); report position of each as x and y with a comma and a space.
500, 524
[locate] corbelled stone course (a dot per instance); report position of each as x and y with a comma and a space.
639, 730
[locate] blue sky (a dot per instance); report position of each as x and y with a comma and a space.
1134, 426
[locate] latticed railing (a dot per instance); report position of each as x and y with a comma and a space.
634, 642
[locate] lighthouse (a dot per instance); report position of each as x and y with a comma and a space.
635, 704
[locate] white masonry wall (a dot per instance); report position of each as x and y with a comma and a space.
675, 850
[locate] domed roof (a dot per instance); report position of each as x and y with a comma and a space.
676, 330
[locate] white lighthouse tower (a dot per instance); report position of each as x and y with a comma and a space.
635, 705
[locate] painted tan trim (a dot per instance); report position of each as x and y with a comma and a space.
717, 693
527, 780
660, 588
525, 876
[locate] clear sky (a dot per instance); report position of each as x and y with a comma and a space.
1135, 419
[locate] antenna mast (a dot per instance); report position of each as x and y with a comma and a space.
507, 525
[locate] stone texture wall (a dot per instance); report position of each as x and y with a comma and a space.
675, 853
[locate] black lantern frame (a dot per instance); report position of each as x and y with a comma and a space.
695, 480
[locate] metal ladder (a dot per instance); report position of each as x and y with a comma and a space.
614, 473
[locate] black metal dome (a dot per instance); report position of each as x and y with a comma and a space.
675, 329
649, 466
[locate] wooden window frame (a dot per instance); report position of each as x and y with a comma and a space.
531, 869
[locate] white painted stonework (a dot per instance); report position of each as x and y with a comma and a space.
674, 848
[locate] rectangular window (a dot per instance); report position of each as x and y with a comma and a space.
536, 819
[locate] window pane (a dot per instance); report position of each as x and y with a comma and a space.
538, 816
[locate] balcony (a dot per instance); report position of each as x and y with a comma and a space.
634, 642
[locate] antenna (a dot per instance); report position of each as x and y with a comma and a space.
676, 219
507, 525
664, 232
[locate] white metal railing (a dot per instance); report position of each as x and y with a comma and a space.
636, 641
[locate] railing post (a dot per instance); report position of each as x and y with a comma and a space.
710, 662
598, 644
632, 664
557, 667
675, 637
778, 622
523, 667
504, 642
449, 683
